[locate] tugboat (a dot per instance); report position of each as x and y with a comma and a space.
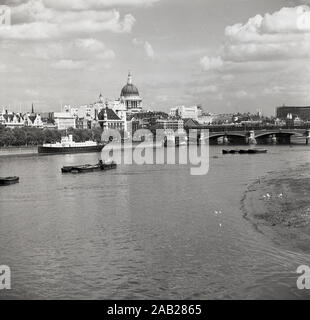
89, 167
67, 145
8, 180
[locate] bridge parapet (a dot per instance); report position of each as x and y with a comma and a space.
269, 136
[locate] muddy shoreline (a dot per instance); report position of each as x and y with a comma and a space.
278, 205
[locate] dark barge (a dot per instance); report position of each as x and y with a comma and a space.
5, 181
89, 167
243, 151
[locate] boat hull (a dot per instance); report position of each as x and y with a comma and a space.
8, 181
88, 168
252, 151
69, 150
244, 151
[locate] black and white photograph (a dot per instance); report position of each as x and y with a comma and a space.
155, 150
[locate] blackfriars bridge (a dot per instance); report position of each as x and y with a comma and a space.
237, 135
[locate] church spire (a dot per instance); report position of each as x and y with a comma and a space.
32, 109
129, 81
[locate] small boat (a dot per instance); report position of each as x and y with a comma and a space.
89, 167
243, 151
67, 146
8, 180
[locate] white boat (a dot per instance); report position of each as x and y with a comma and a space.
67, 145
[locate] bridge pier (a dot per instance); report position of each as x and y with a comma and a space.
308, 137
252, 139
225, 140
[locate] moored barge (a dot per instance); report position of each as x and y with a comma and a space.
5, 181
89, 167
242, 151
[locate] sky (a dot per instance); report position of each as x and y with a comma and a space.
226, 55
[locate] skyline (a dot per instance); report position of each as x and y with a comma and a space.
255, 57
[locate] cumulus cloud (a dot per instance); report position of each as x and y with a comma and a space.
272, 49
33, 20
93, 45
271, 27
148, 48
282, 35
211, 63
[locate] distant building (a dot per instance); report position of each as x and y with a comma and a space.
289, 112
223, 118
280, 123
170, 124
205, 119
108, 119
117, 111
64, 120
15, 120
188, 123
174, 112
48, 120
130, 96
98, 105
297, 121
192, 112
12, 120
82, 123
83, 112
87, 115
36, 121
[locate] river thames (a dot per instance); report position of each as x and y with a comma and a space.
143, 231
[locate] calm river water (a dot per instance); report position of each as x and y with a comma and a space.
142, 232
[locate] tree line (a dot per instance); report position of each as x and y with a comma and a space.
29, 136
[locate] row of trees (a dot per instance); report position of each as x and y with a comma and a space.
28, 136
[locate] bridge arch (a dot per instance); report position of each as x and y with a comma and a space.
279, 133
235, 138
281, 137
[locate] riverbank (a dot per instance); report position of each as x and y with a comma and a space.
33, 150
18, 151
278, 205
